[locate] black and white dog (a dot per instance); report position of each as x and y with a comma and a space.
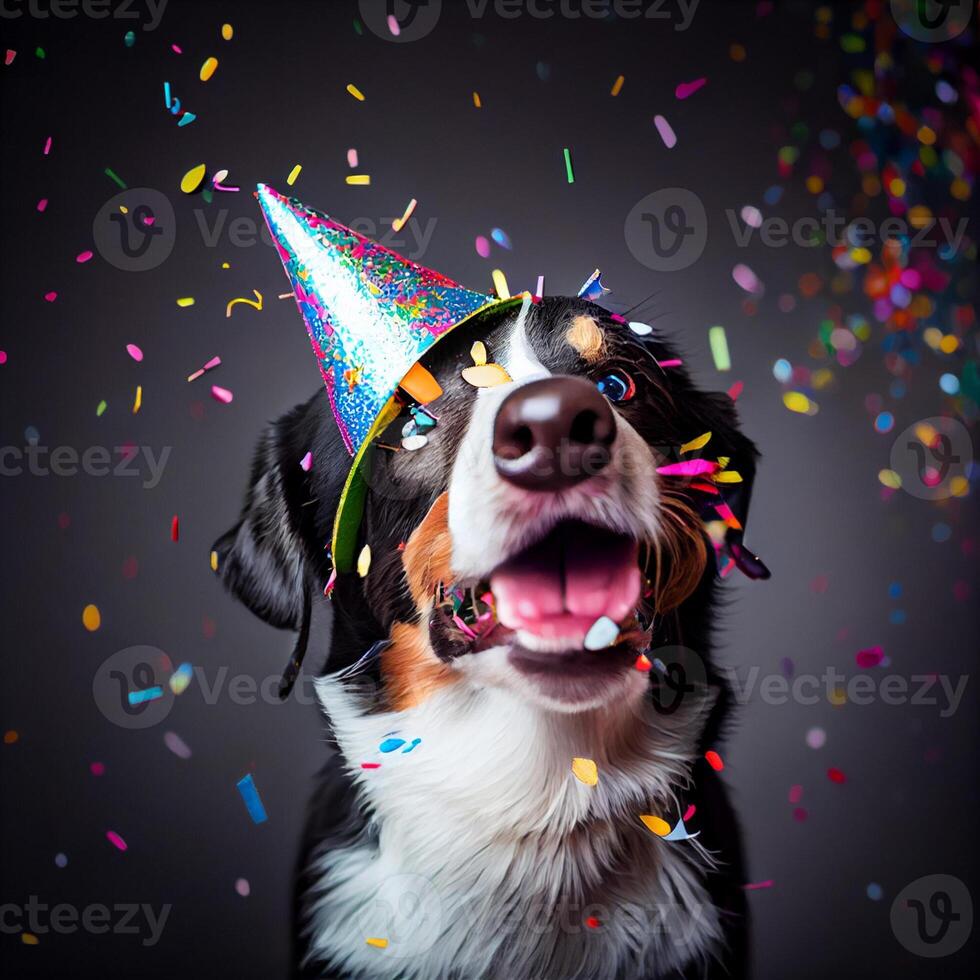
448, 838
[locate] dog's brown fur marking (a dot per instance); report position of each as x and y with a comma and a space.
587, 337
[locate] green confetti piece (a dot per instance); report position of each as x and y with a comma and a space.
101, 409
40, 53
112, 175
569, 173
719, 349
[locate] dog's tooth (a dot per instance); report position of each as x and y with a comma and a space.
602, 633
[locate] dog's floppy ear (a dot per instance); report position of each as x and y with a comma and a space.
276, 553
718, 415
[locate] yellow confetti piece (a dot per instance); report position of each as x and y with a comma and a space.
214, 561
91, 618
185, 301
477, 101
797, 402
359, 180
138, 401
192, 179
355, 91
728, 476
364, 561
890, 478
959, 486
723, 461
123, 209
585, 771
227, 31
399, 223
293, 174
618, 85
208, 68
28, 939
485, 375
379, 943
500, 284
479, 353
698, 443
255, 304
656, 824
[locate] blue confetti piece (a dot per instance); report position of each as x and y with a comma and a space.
501, 238
187, 117
253, 802
390, 744
149, 694
415, 741
166, 93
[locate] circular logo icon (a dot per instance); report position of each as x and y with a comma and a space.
130, 687
677, 679
135, 231
407, 912
933, 916
930, 454
667, 230
400, 20
932, 20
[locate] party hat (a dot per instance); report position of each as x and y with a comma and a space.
371, 315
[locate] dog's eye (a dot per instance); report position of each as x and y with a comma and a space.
617, 386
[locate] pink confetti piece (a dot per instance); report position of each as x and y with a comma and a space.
352, 157
675, 362
42, 204
176, 49
689, 812
795, 794
666, 131
370, 765
331, 582
222, 395
3, 357
97, 768
51, 297
687, 89
870, 657
836, 776
393, 25
689, 467
134, 352
177, 745
8, 58
306, 463
242, 887
116, 840
747, 279
47, 146
753, 886
83, 257
483, 246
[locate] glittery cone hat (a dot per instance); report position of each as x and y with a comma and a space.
370, 315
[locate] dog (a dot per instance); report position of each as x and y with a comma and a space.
448, 835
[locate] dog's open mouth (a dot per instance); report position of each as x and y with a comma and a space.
568, 601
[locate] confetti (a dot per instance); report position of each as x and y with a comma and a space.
754, 886
617, 85
642, 663
689, 467
29, 939
113, 176
213, 363
61, 860
364, 561
185, 301
293, 174
747, 279
116, 840
134, 352
250, 796
641, 329
585, 771
256, 304
214, 561
180, 679
501, 238
602, 633
8, 58
47, 145
686, 89
138, 400
208, 68
666, 132
871, 657
358, 180
91, 618
714, 760
83, 257
718, 342
699, 443
100, 408
836, 776
145, 695
379, 943
193, 179
352, 158
569, 172
483, 247
393, 25
485, 375
797, 402
656, 825
222, 395
477, 101
306, 463
399, 223
227, 32
51, 297
500, 283
355, 91
176, 745
42, 204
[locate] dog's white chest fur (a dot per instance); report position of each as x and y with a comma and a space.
490, 855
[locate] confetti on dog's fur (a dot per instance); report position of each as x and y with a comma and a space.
116, 840
585, 771
355, 91
222, 395
256, 304
193, 179
306, 463
689, 467
656, 825
602, 633
379, 943
714, 760
640, 329
208, 68
91, 617
642, 663
253, 802
666, 131
399, 223
698, 443
479, 353
364, 561
485, 375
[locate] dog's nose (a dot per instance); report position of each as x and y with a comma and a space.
553, 433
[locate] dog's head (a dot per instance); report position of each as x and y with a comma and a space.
531, 543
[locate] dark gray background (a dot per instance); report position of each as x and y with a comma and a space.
908, 807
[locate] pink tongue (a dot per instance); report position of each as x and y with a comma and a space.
560, 587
